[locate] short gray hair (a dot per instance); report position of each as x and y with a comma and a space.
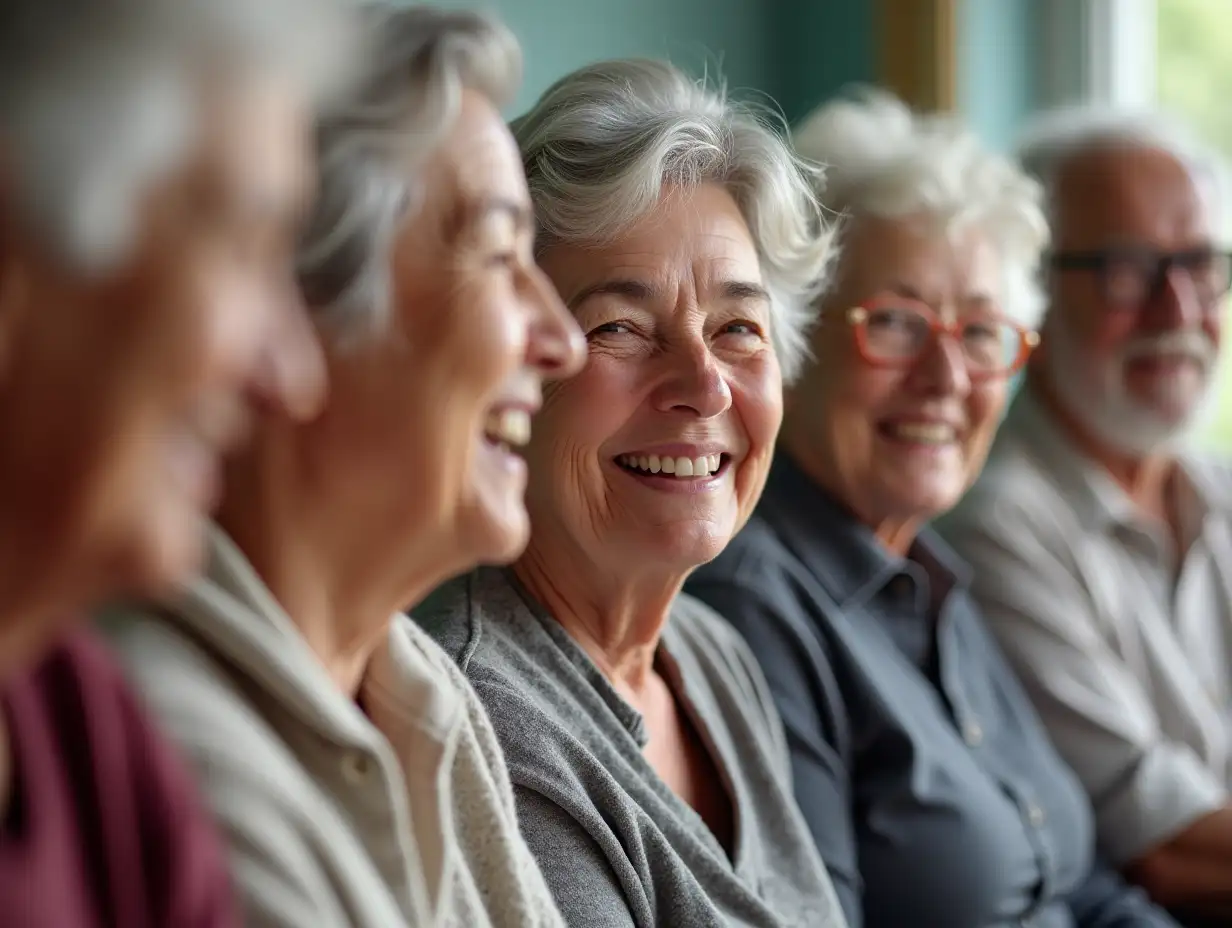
884, 160
1056, 137
602, 143
410, 95
98, 99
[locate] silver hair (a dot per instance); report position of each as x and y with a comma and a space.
884, 160
408, 98
100, 98
602, 144
1054, 138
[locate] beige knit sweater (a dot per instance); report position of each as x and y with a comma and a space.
400, 815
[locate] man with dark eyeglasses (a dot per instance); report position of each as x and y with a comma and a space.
1102, 548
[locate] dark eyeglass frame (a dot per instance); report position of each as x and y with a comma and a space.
857, 317
1100, 261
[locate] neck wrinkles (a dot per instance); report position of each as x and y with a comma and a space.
338, 569
895, 533
615, 615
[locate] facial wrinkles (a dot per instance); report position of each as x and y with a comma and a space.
1146, 197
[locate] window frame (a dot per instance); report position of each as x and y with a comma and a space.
1098, 52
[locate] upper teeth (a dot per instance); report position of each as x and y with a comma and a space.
702, 466
929, 432
511, 426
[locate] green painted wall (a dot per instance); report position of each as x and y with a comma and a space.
998, 65
822, 46
795, 51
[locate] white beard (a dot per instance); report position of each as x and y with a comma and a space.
1098, 398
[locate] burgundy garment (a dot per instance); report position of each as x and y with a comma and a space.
103, 829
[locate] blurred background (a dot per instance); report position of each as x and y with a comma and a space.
994, 61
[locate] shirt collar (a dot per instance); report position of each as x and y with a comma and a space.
1095, 498
845, 555
232, 609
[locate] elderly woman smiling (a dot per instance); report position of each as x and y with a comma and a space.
649, 766
351, 766
932, 791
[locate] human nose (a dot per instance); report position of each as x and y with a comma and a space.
556, 345
695, 383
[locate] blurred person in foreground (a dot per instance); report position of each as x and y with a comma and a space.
154, 160
352, 768
1102, 546
930, 786
649, 765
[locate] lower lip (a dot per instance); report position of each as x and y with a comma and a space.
504, 457
685, 485
1164, 366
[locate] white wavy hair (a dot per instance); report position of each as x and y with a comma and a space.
884, 160
603, 143
99, 98
1055, 137
406, 101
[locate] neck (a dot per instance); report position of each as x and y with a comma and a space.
616, 616
39, 539
326, 546
36, 594
1144, 478
896, 534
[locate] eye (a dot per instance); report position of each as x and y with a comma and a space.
982, 330
893, 319
743, 327
609, 328
505, 259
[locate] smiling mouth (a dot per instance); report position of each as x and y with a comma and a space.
920, 433
682, 468
507, 428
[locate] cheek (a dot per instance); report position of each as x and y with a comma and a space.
757, 399
487, 330
576, 424
1213, 326
226, 318
859, 400
1104, 335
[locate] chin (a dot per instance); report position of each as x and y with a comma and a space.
685, 549
164, 557
500, 541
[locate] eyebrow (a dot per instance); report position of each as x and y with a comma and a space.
907, 291
635, 290
519, 212
642, 292
745, 290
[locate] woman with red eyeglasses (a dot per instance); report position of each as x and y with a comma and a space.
931, 789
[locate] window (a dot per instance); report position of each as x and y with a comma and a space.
1193, 47
1174, 54
1098, 51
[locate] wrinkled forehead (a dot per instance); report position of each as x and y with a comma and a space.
1133, 194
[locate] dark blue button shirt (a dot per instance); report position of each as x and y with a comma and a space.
928, 782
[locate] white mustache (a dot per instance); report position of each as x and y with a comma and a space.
1190, 343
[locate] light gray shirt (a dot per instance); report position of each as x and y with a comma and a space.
617, 846
1122, 637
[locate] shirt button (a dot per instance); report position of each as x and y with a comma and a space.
973, 734
1036, 816
356, 768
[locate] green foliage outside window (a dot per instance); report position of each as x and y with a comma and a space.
1195, 82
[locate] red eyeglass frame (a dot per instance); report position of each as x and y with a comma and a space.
857, 318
